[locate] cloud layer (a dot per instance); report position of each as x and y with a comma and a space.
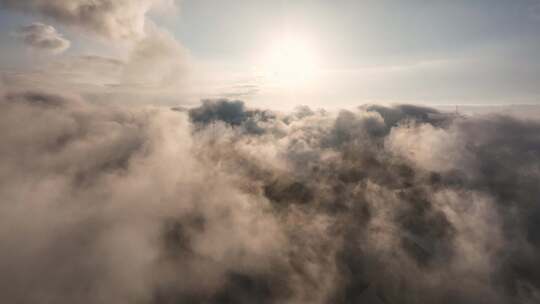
226, 204
116, 19
155, 68
43, 37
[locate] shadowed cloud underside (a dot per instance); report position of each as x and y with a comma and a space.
228, 204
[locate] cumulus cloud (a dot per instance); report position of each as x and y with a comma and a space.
157, 67
116, 19
43, 37
105, 231
158, 59
153, 66
227, 204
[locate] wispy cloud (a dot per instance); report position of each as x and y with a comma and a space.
116, 19
43, 37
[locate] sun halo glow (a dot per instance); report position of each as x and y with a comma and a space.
290, 61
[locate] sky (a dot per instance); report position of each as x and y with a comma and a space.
285, 53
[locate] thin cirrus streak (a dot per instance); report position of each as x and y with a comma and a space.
226, 204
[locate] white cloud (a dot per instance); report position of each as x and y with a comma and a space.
115, 19
43, 37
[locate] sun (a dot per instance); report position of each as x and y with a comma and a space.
290, 60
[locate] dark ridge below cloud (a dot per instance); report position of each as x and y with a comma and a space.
223, 203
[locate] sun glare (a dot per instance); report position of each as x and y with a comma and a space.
290, 61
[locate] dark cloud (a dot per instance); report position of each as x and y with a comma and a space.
230, 112
394, 115
43, 37
233, 113
227, 204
